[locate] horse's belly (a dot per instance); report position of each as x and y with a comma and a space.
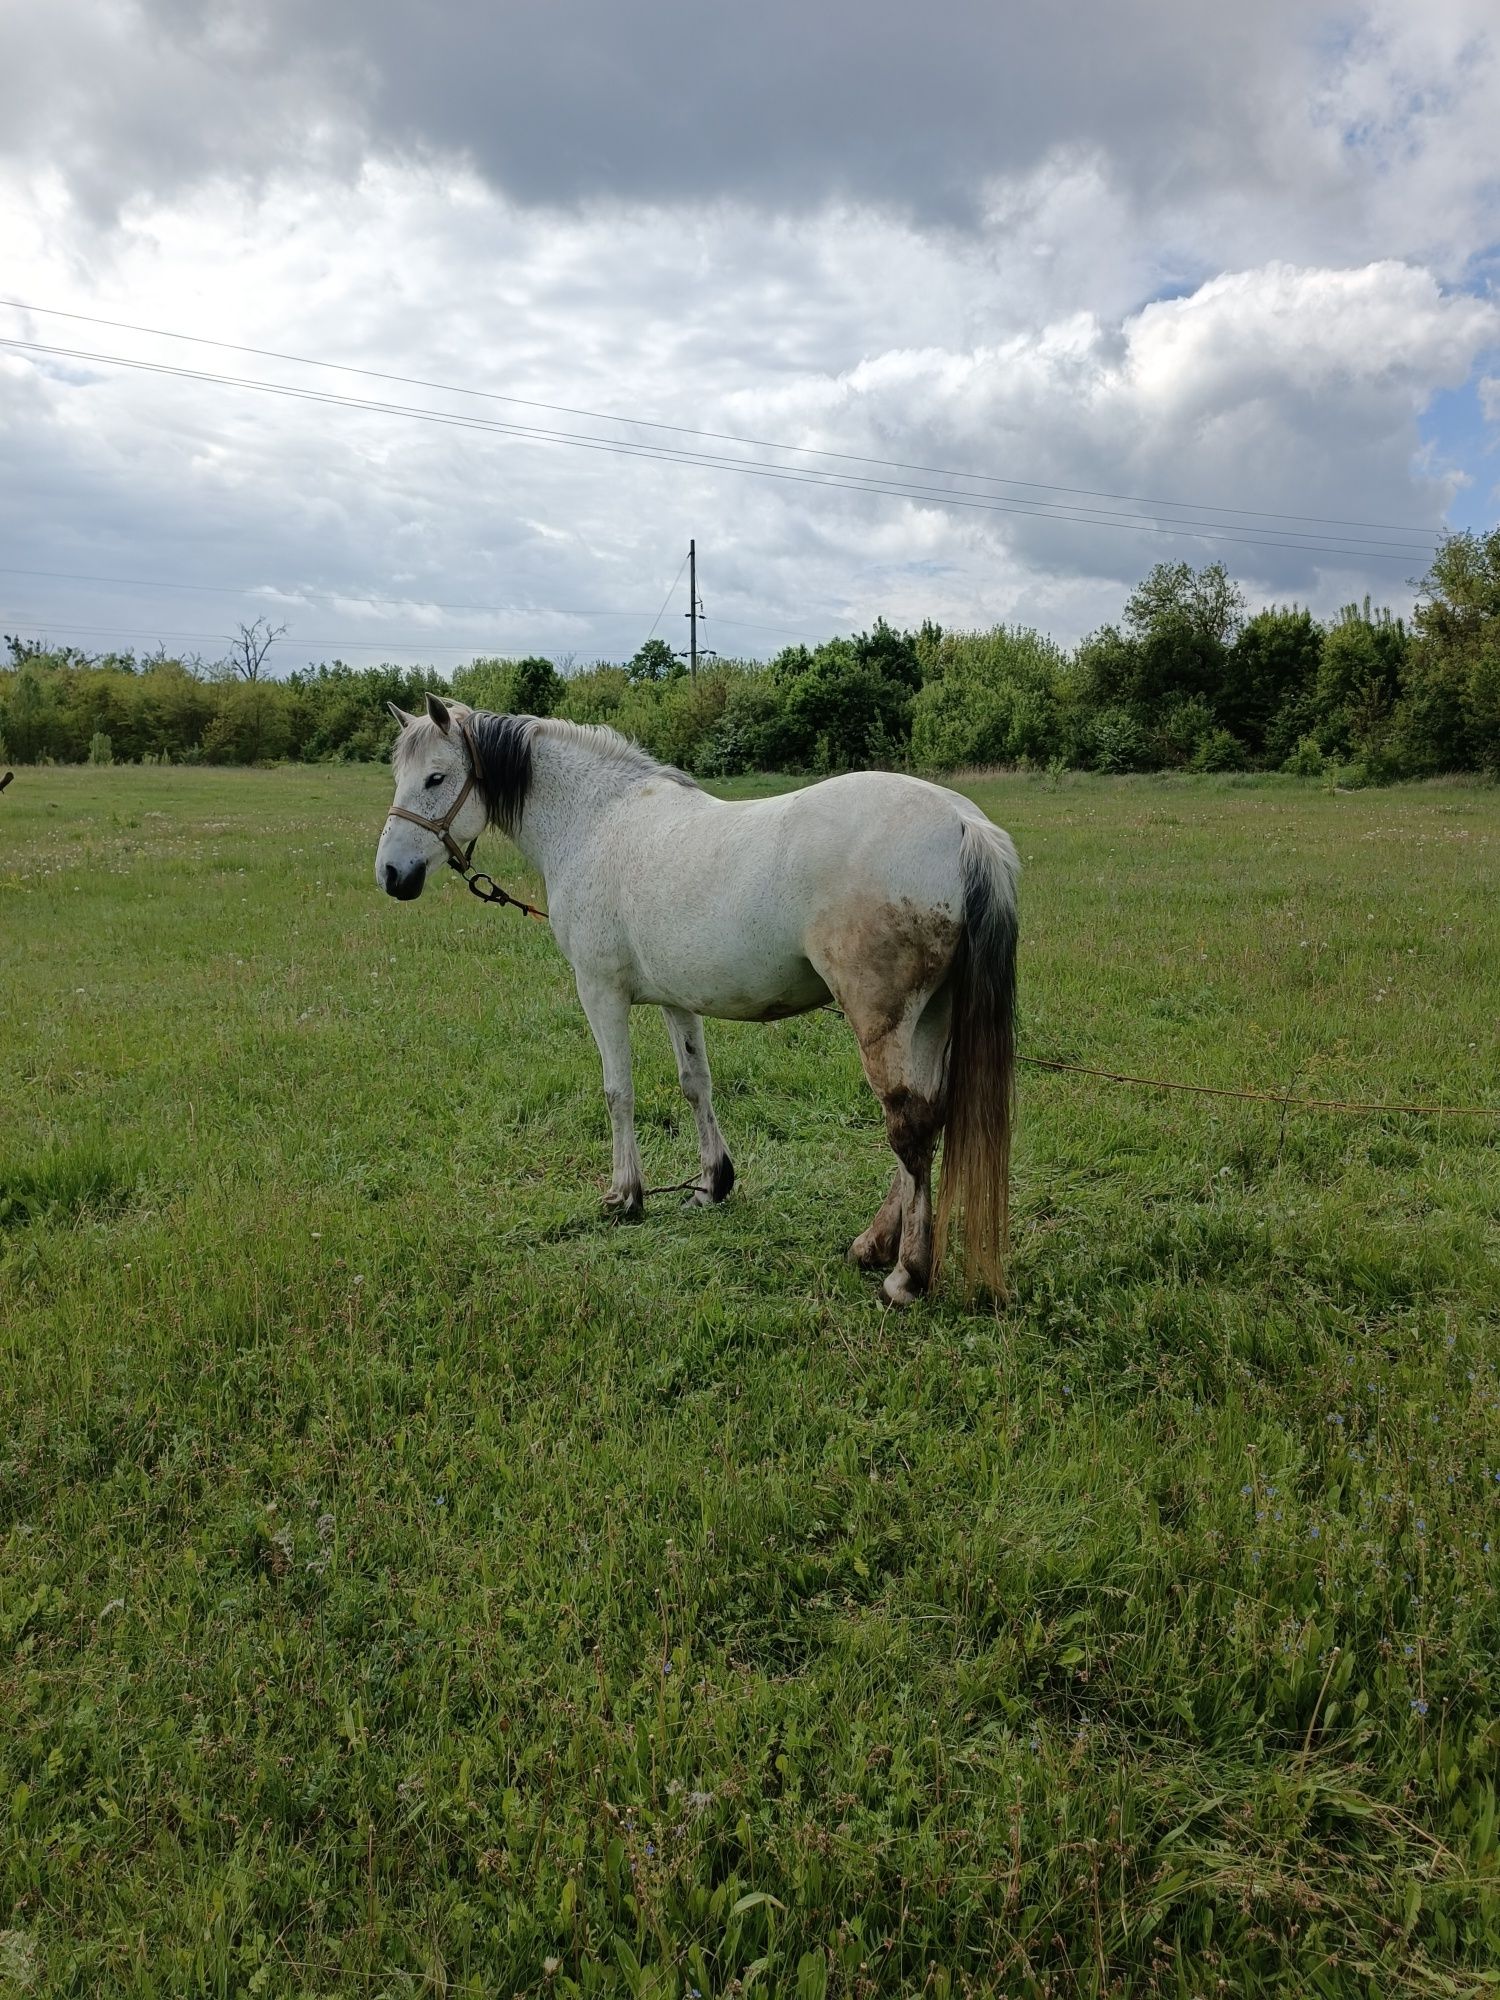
741, 992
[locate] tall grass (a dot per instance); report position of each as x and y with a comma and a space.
411, 1583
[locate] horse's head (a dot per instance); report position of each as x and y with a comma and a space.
438, 808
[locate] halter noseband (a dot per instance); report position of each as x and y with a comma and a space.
457, 857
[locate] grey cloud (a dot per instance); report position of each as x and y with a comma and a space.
781, 103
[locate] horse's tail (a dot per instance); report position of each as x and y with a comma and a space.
974, 1189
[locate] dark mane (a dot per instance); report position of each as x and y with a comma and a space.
504, 746
502, 749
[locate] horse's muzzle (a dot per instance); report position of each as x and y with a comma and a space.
406, 888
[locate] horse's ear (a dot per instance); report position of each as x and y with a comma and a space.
400, 714
438, 713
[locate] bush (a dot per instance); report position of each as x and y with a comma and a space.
1115, 742
989, 698
1306, 761
1185, 680
1219, 751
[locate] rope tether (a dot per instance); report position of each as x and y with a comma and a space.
1268, 1096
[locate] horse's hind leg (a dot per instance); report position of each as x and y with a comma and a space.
875, 1248
716, 1175
904, 1062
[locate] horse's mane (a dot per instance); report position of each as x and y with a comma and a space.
504, 742
608, 746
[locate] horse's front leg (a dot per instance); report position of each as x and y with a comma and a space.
608, 1011
716, 1169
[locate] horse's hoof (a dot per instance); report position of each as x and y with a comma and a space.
870, 1253
625, 1207
720, 1181
902, 1289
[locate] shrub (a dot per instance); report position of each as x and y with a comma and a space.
989, 698
1115, 742
1219, 751
1306, 761
101, 750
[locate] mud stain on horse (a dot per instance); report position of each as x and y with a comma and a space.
875, 956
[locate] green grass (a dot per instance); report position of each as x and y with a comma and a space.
413, 1584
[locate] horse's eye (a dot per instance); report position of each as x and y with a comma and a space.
435, 779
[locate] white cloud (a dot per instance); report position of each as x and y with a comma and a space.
1225, 266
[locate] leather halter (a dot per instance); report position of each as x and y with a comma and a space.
457, 856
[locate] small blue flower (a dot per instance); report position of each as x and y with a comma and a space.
1419, 1707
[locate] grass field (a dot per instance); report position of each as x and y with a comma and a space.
413, 1584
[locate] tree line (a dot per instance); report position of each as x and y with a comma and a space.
1188, 679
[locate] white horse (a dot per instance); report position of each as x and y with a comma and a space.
893, 898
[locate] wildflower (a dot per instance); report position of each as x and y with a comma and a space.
1419, 1707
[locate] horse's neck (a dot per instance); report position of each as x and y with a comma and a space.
571, 786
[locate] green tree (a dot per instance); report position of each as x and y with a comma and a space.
655, 661
988, 698
1450, 711
1179, 627
1269, 679
847, 704
1358, 682
539, 686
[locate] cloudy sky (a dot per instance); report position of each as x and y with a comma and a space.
1000, 302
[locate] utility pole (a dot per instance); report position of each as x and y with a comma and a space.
693, 608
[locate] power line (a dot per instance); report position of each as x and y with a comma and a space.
1286, 539
1198, 508
286, 593
665, 602
44, 624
